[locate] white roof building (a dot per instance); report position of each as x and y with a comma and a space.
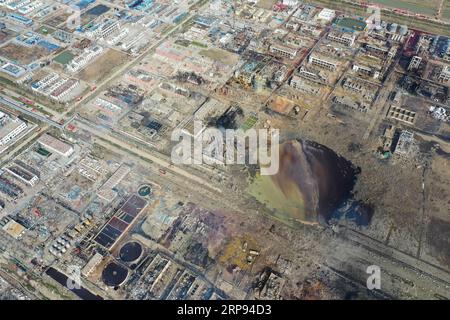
10, 128
326, 14
56, 145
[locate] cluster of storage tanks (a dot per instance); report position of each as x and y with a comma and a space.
60, 246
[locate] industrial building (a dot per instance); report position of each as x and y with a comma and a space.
104, 30
362, 87
326, 15
366, 70
14, 229
319, 61
121, 222
23, 175
55, 145
444, 75
299, 83
94, 187
310, 74
415, 63
404, 143
346, 39
106, 191
296, 82
64, 89
283, 51
13, 70
347, 102
9, 188
401, 114
84, 58
380, 49
10, 128
55, 86
20, 19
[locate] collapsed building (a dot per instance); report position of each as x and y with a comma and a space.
342, 38
323, 62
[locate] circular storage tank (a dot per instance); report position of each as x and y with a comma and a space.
114, 274
145, 190
131, 251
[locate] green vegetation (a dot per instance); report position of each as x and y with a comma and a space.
56, 290
6, 81
23, 102
29, 95
249, 123
43, 152
350, 23
411, 22
446, 10
45, 30
418, 6
183, 43
37, 107
199, 44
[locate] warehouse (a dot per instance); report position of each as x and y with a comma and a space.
56, 145
10, 127
322, 62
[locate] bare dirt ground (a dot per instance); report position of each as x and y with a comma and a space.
22, 54
437, 229
103, 66
6, 35
220, 55
266, 4
57, 19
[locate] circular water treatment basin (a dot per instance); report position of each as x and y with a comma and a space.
114, 275
130, 251
145, 190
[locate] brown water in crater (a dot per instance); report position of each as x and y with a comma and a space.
312, 182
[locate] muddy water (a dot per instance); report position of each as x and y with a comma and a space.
312, 184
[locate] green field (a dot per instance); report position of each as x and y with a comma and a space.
45, 30
424, 25
354, 24
428, 7
199, 44
64, 57
446, 11
249, 123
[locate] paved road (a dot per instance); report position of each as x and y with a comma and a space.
20, 107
